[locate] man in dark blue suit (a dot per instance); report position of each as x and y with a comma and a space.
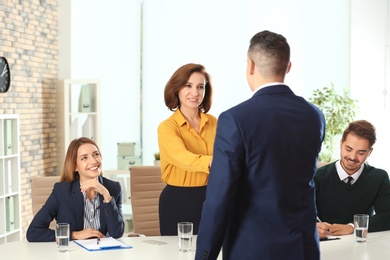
260, 201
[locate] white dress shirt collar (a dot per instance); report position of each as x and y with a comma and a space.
343, 175
267, 85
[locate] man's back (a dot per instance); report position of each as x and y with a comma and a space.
265, 151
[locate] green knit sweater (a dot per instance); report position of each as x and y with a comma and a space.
337, 201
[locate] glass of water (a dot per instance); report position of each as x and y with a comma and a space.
360, 222
62, 231
184, 232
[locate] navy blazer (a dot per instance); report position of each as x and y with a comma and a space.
260, 200
66, 205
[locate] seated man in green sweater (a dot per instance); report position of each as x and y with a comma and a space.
367, 192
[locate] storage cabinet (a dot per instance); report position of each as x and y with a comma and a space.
78, 113
10, 202
129, 154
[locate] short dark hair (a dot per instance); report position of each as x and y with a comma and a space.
179, 80
361, 128
270, 52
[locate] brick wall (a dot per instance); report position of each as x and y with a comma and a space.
28, 39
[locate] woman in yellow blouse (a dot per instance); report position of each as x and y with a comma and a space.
186, 141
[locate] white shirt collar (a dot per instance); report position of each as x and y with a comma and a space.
267, 85
343, 174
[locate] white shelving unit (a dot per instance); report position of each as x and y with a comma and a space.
78, 113
10, 201
123, 177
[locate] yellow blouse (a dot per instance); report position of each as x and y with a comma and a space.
185, 155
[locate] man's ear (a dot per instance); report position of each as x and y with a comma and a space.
251, 66
288, 67
369, 153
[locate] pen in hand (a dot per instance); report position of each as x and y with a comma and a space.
327, 231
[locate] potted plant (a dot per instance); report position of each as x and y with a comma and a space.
339, 111
157, 158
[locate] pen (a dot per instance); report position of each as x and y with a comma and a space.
327, 230
98, 241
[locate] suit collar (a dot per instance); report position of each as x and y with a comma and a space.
268, 85
273, 89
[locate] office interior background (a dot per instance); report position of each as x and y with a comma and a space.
134, 46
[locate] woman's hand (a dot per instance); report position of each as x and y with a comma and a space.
95, 185
87, 233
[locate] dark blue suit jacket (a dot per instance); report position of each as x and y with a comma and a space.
66, 205
260, 200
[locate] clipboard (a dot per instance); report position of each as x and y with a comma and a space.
107, 243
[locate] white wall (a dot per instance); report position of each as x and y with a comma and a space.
105, 45
106, 37
217, 34
369, 29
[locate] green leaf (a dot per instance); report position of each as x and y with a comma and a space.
339, 111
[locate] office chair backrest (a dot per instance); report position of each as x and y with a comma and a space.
145, 190
41, 188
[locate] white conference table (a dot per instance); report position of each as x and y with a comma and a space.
141, 250
377, 247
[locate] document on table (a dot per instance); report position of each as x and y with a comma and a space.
107, 243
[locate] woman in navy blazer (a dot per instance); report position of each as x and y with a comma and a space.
90, 203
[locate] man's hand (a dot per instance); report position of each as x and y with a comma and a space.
323, 229
340, 229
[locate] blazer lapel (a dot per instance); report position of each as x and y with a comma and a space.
78, 201
103, 210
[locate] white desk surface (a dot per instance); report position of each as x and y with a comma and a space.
377, 247
141, 250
